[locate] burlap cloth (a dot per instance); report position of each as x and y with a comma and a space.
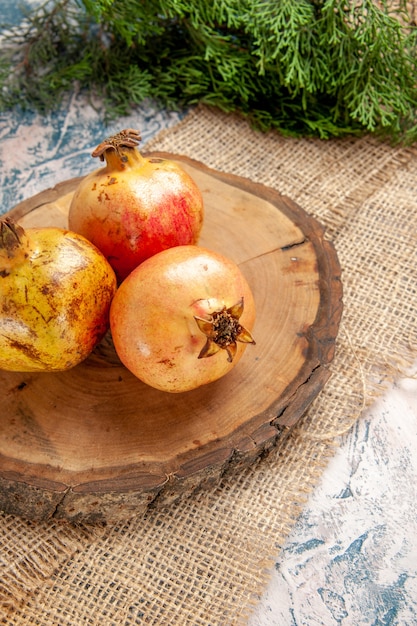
204, 560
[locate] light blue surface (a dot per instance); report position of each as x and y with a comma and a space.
37, 152
351, 559
11, 11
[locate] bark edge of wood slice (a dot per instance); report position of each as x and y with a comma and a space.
95, 444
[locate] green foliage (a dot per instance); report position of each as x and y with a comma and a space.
305, 67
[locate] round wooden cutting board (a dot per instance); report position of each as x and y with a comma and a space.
96, 443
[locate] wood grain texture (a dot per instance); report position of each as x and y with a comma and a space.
96, 443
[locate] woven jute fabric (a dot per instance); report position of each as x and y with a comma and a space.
204, 559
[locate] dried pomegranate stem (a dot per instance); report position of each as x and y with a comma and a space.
128, 138
13, 245
10, 235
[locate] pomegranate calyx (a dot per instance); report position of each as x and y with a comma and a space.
127, 138
223, 330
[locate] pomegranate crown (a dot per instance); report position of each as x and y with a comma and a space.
128, 138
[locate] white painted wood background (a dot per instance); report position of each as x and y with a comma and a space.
351, 559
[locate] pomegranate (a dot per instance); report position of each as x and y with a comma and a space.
56, 289
182, 318
135, 206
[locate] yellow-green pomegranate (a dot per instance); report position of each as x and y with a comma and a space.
55, 295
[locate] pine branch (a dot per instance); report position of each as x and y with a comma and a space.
311, 67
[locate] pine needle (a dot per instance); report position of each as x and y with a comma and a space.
312, 67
